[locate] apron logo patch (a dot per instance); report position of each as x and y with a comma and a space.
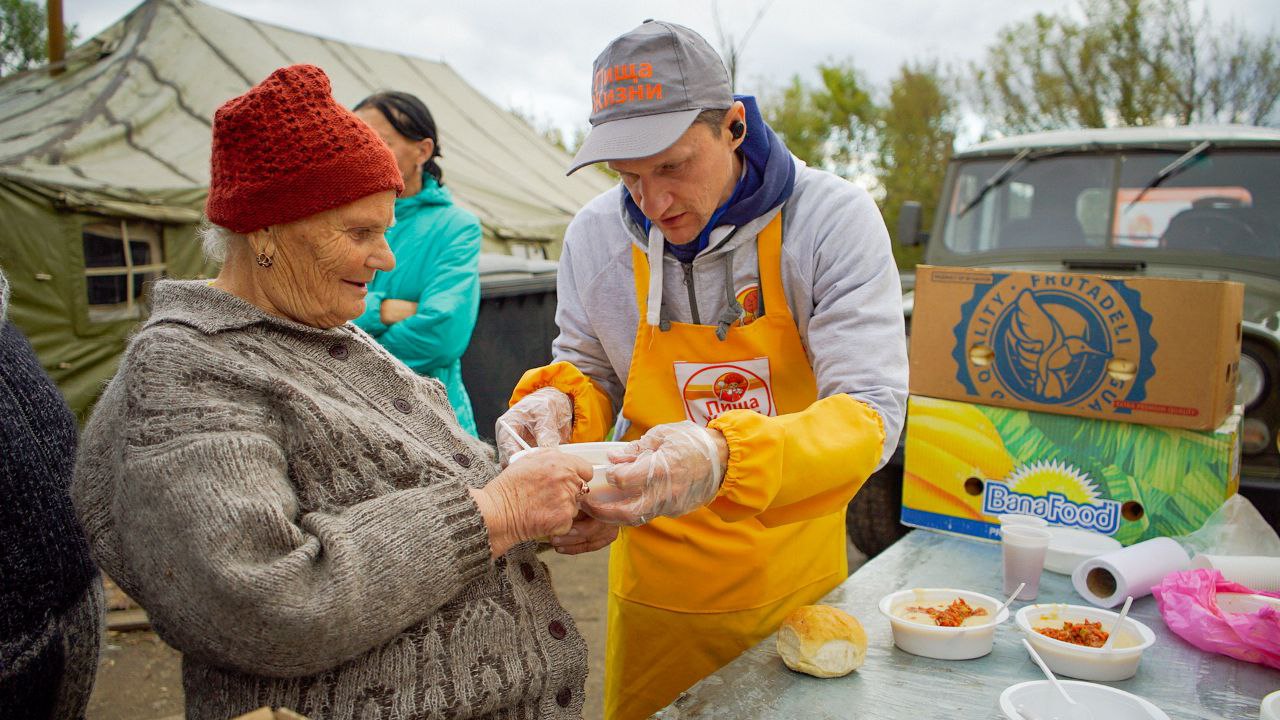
712, 389
749, 299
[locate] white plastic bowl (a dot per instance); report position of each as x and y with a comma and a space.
942, 643
596, 453
1270, 707
1068, 547
1245, 603
1041, 700
1081, 662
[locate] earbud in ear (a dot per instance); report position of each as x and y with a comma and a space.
737, 129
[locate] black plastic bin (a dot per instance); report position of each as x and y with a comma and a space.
514, 330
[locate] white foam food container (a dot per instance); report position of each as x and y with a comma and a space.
1270, 707
1068, 547
1078, 661
942, 643
1039, 699
596, 453
1245, 603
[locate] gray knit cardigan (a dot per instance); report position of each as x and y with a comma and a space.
290, 506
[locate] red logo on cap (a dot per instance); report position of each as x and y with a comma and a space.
620, 84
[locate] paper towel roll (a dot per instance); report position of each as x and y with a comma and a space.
1257, 572
1108, 579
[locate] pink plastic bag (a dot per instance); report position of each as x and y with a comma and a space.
1188, 604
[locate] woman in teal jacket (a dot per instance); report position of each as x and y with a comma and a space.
424, 310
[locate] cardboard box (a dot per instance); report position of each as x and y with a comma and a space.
1136, 349
967, 463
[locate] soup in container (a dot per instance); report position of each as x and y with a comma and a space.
914, 616
1070, 658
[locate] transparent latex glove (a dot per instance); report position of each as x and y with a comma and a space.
543, 418
674, 469
533, 498
586, 535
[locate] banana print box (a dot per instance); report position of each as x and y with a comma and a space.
1136, 349
967, 463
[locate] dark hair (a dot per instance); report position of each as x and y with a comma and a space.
713, 119
411, 118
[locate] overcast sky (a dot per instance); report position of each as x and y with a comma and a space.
535, 55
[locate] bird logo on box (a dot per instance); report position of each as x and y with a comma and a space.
1044, 349
1049, 338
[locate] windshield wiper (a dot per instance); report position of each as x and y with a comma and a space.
1001, 177
1170, 170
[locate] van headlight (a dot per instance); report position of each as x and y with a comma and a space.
1251, 381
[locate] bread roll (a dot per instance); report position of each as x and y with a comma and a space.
822, 641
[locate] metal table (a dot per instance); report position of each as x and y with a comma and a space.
1185, 682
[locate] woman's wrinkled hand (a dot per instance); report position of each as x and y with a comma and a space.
543, 418
393, 311
587, 535
536, 497
674, 469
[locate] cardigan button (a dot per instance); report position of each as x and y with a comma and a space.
563, 697
402, 405
557, 630
462, 460
338, 351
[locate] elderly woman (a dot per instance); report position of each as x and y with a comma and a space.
300, 513
425, 310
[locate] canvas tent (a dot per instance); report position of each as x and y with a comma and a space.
103, 169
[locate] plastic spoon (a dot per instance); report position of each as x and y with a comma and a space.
1123, 613
526, 446
514, 434
1009, 602
1075, 711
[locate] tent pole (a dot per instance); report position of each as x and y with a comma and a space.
57, 38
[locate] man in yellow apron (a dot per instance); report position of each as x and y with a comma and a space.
738, 316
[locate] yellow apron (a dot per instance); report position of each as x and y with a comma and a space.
688, 594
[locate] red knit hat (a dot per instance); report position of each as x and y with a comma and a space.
286, 150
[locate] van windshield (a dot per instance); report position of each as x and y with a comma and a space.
1220, 202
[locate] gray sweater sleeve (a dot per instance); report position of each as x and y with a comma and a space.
856, 335
577, 343
212, 540
235, 575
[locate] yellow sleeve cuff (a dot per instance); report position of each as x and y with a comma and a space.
754, 474
798, 466
592, 409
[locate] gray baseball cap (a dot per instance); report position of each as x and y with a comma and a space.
647, 87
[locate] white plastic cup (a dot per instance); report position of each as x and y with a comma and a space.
1023, 549
1010, 519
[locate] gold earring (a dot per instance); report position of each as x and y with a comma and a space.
264, 260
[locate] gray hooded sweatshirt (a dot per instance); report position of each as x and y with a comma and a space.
838, 273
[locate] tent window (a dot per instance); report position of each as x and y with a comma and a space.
120, 259
527, 250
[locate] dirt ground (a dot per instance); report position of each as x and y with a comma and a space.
139, 677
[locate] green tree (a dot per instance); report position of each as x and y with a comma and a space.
830, 125
844, 102
1127, 62
23, 29
792, 115
903, 144
915, 136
